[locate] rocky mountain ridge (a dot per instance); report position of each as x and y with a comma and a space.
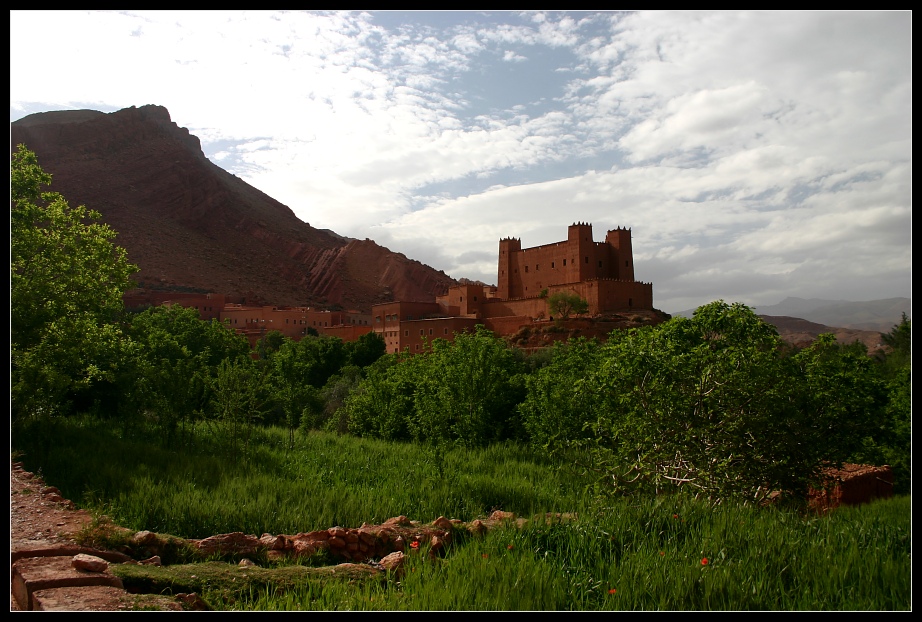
868, 315
191, 226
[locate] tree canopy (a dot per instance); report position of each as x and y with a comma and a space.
66, 284
563, 305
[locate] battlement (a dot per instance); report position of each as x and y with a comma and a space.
522, 272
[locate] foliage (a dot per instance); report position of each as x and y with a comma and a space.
269, 344
711, 405
563, 305
899, 341
239, 400
460, 392
467, 391
334, 395
554, 409
890, 440
66, 285
177, 355
365, 350
383, 403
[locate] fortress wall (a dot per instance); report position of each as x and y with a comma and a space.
507, 325
496, 308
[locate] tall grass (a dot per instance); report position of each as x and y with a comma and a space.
629, 554
325, 480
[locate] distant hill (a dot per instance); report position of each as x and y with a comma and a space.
871, 315
192, 226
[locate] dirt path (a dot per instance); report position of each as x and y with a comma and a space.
43, 526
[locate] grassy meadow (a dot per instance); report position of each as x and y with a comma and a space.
666, 553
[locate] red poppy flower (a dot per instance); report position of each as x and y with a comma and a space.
662, 553
414, 544
510, 547
704, 561
485, 556
612, 591
675, 516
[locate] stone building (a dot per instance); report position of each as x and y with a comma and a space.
602, 273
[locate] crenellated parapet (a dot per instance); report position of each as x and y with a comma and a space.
524, 273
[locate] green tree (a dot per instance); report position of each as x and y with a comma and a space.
239, 400
563, 305
365, 350
269, 344
382, 404
899, 345
711, 405
288, 379
178, 354
554, 410
468, 391
893, 443
67, 280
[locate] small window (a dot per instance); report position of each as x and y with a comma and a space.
564, 262
600, 263
406, 333
526, 269
625, 263
552, 265
421, 332
587, 258
446, 331
475, 298
537, 267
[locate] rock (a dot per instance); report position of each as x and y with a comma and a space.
853, 484
186, 221
144, 538
442, 523
393, 562
236, 542
89, 563
193, 601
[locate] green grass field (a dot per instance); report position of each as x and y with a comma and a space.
667, 553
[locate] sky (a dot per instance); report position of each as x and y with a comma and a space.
754, 155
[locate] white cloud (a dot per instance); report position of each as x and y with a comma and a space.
755, 155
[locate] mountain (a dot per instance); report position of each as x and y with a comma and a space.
871, 315
874, 315
192, 226
801, 333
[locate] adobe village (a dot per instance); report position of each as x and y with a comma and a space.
601, 273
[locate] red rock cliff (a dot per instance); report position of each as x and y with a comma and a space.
189, 224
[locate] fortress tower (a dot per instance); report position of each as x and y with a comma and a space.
508, 248
600, 272
622, 255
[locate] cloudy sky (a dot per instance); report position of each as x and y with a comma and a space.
754, 155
